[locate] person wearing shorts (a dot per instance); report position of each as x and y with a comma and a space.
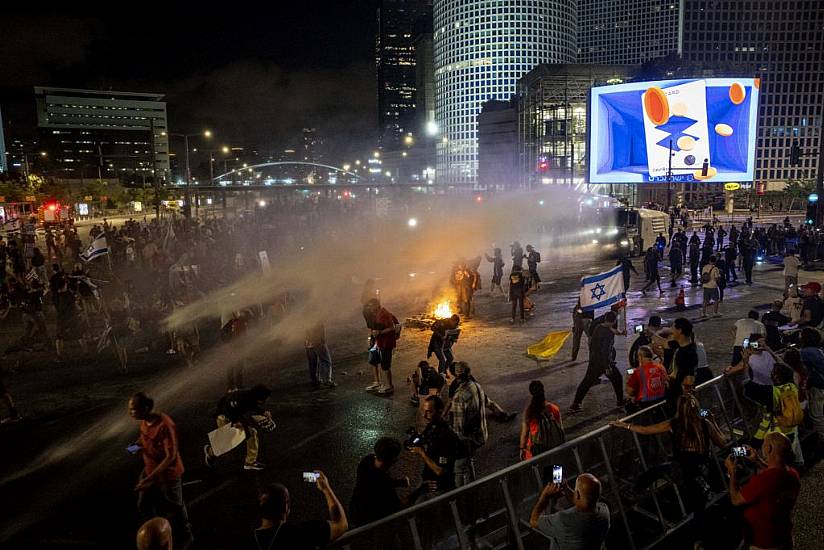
384, 334
709, 279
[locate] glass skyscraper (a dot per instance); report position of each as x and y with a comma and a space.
482, 48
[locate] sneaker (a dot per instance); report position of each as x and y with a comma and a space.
386, 390
573, 409
208, 456
257, 466
374, 386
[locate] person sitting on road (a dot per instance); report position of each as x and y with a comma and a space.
584, 526
769, 496
425, 381
276, 532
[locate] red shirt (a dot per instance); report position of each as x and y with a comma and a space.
552, 409
655, 382
384, 320
770, 497
154, 439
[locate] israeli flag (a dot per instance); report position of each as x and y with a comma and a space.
97, 248
602, 290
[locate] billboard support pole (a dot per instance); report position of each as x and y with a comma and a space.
669, 177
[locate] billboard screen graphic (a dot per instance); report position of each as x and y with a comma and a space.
707, 127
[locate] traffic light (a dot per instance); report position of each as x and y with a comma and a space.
812, 212
795, 154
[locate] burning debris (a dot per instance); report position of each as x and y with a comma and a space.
442, 310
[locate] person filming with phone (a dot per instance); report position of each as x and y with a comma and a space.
647, 383
768, 498
584, 526
437, 446
276, 532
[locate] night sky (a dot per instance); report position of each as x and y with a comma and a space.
256, 74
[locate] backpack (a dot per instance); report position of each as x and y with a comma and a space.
706, 276
789, 413
550, 434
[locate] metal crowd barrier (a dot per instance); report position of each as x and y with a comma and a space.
493, 512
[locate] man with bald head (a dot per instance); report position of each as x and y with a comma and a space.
584, 526
769, 496
155, 534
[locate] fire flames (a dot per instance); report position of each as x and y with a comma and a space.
442, 310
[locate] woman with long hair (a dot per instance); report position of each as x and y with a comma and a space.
536, 409
692, 437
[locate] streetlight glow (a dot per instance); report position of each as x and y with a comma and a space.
432, 128
207, 133
225, 150
413, 222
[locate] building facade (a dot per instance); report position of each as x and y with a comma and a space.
552, 120
498, 145
395, 63
4, 161
628, 31
481, 49
782, 43
89, 134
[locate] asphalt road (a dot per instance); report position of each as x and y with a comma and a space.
66, 479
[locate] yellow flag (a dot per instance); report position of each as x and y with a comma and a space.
550, 345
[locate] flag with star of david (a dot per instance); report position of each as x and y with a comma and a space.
602, 290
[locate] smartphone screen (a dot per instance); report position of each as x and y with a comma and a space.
630, 371
133, 448
703, 413
639, 329
311, 477
557, 474
739, 451
746, 343
754, 345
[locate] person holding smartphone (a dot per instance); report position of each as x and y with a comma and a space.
276, 532
583, 526
768, 498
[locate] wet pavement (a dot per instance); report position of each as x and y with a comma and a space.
82, 497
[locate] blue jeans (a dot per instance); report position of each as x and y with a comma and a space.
445, 357
320, 363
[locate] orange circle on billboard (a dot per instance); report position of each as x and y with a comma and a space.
737, 93
656, 106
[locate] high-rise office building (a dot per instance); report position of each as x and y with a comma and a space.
4, 161
628, 32
395, 63
89, 134
482, 48
782, 43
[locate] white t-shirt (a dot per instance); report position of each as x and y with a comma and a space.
791, 266
745, 327
715, 274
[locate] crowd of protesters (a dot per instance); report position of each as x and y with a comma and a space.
777, 364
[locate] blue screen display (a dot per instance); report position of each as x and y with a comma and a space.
687, 130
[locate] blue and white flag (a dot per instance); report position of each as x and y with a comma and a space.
602, 290
97, 248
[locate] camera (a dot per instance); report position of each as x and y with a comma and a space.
739, 452
753, 345
414, 440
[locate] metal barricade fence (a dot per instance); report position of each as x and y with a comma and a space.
645, 501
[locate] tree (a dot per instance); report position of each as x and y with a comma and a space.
799, 190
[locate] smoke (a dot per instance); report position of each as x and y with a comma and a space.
325, 280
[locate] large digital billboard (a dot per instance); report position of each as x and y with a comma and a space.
706, 126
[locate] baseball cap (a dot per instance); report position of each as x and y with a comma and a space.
812, 285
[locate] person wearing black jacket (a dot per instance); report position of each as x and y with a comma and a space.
533, 258
438, 448
695, 259
245, 410
517, 291
626, 267
644, 339
601, 362
375, 495
497, 270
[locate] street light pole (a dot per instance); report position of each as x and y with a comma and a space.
188, 179
669, 177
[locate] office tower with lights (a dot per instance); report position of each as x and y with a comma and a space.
89, 134
395, 62
481, 49
4, 163
782, 43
